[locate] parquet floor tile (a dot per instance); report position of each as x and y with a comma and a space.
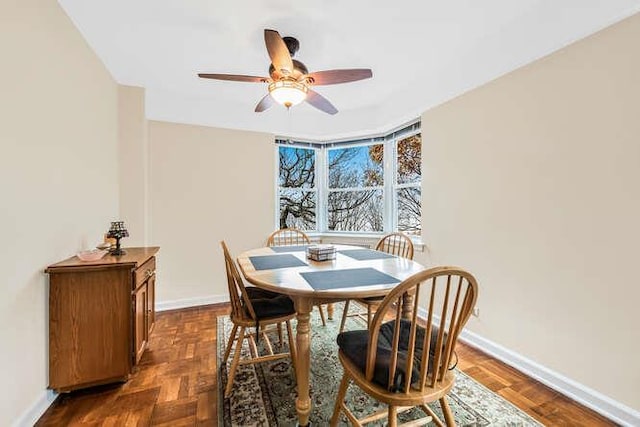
175, 383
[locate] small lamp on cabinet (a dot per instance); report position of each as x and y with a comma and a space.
118, 231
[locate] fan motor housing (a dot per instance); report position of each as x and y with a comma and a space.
299, 70
292, 44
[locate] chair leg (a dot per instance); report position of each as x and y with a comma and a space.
393, 416
232, 338
293, 353
342, 392
344, 315
324, 321
280, 334
235, 362
253, 347
368, 315
446, 410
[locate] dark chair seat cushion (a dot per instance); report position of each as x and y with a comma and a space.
267, 304
354, 346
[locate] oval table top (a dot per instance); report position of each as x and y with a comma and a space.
291, 280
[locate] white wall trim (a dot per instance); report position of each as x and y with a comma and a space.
604, 405
33, 413
191, 302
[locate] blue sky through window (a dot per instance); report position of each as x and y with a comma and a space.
355, 166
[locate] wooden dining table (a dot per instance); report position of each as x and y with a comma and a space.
354, 273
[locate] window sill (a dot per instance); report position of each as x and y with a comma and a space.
358, 239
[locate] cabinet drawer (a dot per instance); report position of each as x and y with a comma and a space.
145, 271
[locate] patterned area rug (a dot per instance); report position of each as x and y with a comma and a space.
263, 394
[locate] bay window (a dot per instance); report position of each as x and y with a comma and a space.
370, 185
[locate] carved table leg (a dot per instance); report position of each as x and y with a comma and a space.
303, 344
330, 310
407, 305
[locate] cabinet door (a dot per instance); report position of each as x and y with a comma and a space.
89, 327
151, 298
140, 327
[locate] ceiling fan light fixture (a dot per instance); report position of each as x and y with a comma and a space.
289, 80
288, 92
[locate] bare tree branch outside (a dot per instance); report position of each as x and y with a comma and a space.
409, 197
355, 201
298, 198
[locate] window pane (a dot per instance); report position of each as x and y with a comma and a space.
355, 210
356, 166
409, 159
409, 210
297, 167
297, 209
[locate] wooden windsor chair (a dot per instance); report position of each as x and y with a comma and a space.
405, 364
293, 237
254, 307
288, 237
398, 244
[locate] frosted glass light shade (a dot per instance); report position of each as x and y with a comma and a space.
288, 92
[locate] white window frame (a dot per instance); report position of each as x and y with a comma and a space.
328, 190
395, 185
316, 184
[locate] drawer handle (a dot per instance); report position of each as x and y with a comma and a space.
149, 273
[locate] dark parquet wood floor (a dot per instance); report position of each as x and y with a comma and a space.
175, 383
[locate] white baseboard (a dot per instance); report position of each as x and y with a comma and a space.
32, 414
191, 302
587, 396
604, 405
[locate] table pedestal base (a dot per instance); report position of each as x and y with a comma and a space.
303, 342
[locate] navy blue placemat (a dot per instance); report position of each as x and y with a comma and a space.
349, 278
365, 254
272, 262
298, 248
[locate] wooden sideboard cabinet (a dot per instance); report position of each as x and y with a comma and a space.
100, 316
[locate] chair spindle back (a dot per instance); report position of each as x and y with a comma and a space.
396, 244
237, 292
450, 295
288, 237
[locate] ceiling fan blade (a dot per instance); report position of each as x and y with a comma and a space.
264, 104
320, 102
331, 77
235, 78
278, 52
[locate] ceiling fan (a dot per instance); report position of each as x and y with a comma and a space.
289, 80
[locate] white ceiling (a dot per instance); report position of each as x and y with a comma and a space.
422, 53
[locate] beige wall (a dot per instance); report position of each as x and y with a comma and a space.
133, 165
207, 185
58, 180
531, 182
